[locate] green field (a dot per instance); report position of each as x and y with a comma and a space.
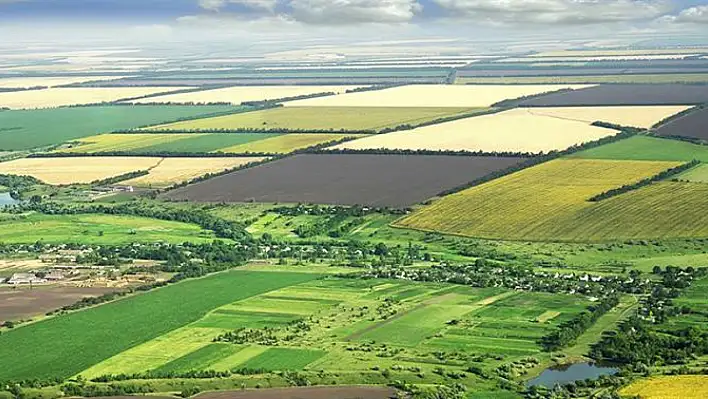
27, 129
280, 359
209, 142
320, 118
42, 350
201, 359
621, 79
287, 143
96, 229
645, 148
698, 174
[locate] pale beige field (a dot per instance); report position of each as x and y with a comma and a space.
432, 96
58, 97
600, 58
516, 130
642, 117
237, 95
176, 170
76, 169
14, 83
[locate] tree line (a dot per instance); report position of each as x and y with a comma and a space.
569, 331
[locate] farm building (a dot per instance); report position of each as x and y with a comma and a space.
25, 278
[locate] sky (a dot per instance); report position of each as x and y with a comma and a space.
390, 19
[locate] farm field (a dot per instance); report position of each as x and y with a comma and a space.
97, 229
641, 117
431, 96
320, 118
516, 130
58, 97
238, 95
76, 170
18, 304
27, 129
590, 58
624, 95
692, 126
698, 174
64, 358
591, 79
323, 392
646, 148
380, 180
51, 81
550, 204
283, 144
176, 170
620, 52
669, 387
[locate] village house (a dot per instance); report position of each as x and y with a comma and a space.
25, 278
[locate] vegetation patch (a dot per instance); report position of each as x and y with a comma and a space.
646, 148
282, 359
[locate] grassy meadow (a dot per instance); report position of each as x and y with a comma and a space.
646, 148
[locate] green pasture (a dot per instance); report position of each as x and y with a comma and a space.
647, 148
206, 142
281, 359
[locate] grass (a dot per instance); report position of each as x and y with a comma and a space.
320, 118
640, 79
281, 359
121, 142
664, 387
209, 142
97, 229
645, 148
46, 127
698, 174
286, 143
201, 359
549, 199
41, 350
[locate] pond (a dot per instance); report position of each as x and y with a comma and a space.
6, 199
570, 373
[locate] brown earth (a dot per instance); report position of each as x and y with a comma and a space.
692, 125
23, 302
352, 392
624, 94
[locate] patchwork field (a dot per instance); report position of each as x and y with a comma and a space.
26, 129
516, 130
645, 148
76, 169
51, 81
641, 117
550, 203
320, 118
381, 180
431, 96
692, 126
57, 97
238, 95
669, 387
624, 95
46, 354
176, 170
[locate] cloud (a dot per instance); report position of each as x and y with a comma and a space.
216, 5
696, 15
569, 12
335, 12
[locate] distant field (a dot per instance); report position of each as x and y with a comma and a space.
57, 97
51, 81
176, 170
45, 352
589, 58
642, 117
381, 180
692, 126
22, 130
620, 52
238, 95
517, 130
698, 174
320, 118
622, 95
646, 148
207, 142
122, 142
431, 96
76, 169
668, 387
548, 200
590, 79
286, 143
280, 359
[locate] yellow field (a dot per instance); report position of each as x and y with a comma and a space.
538, 203
176, 170
51, 81
237, 95
286, 143
669, 387
57, 97
432, 96
123, 142
642, 117
76, 170
517, 130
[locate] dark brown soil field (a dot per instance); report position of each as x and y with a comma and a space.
665, 94
351, 179
693, 125
20, 303
470, 73
355, 392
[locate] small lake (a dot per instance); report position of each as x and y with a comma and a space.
6, 199
570, 373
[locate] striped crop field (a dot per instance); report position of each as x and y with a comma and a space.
320, 118
550, 202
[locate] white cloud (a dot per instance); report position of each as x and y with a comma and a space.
698, 15
334, 12
557, 11
216, 5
